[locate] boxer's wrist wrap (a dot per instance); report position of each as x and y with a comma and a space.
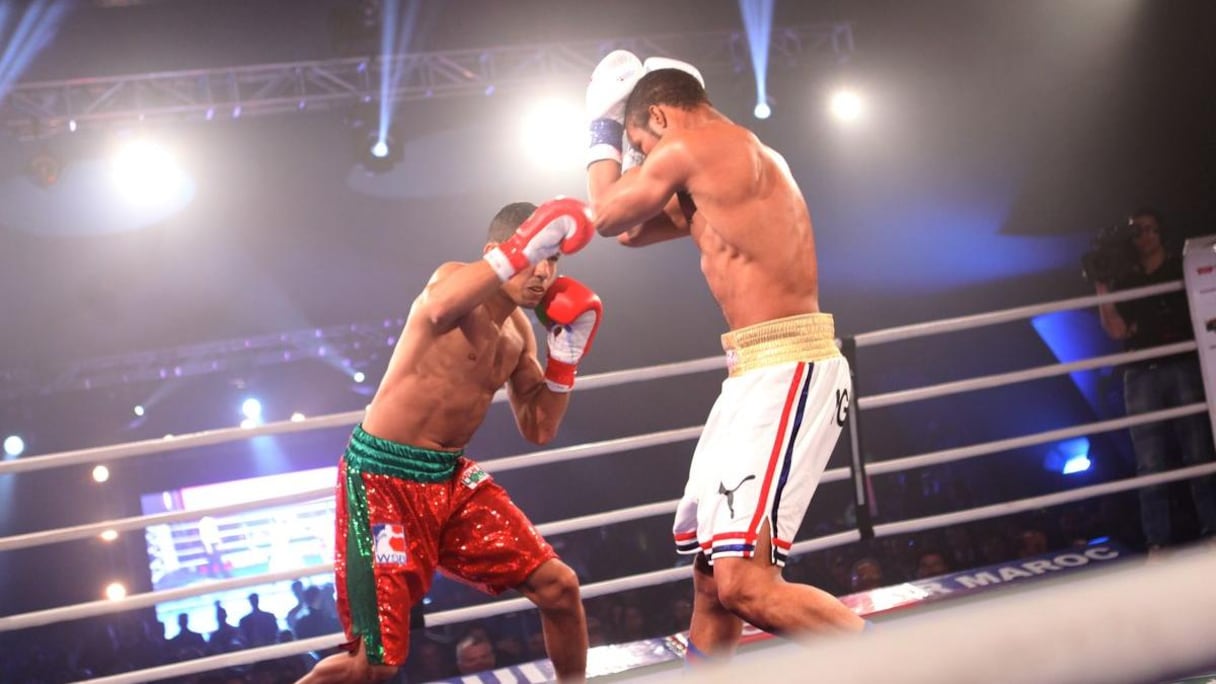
606, 137
502, 263
559, 375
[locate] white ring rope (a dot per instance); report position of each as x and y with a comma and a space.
906, 332
1035, 502
347, 419
960, 453
205, 438
1001, 379
610, 446
38, 618
23, 541
493, 465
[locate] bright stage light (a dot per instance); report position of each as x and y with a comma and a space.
115, 591
380, 149
1076, 464
297, 417
14, 446
146, 173
101, 473
252, 409
109, 535
139, 409
847, 106
358, 376
763, 111
553, 133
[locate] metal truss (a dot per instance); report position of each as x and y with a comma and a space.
43, 109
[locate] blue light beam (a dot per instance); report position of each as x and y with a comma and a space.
37, 27
395, 35
758, 23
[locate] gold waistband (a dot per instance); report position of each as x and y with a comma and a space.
806, 337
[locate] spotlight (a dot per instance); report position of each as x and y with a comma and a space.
297, 417
252, 409
358, 376
145, 172
14, 446
763, 111
377, 151
1076, 464
115, 591
847, 106
109, 535
139, 409
101, 473
1069, 457
553, 133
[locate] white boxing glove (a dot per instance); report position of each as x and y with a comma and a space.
656, 63
611, 83
630, 156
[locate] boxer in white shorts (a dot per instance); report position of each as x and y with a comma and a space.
767, 440
695, 173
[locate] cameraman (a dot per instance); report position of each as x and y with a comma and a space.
1160, 383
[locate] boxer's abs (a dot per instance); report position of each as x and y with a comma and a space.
753, 290
430, 413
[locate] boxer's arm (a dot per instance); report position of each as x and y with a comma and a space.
538, 410
454, 290
668, 225
623, 203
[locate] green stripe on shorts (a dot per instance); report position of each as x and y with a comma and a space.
360, 574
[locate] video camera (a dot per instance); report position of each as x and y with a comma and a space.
1112, 255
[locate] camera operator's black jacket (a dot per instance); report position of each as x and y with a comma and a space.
1163, 319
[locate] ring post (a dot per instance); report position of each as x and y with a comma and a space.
857, 466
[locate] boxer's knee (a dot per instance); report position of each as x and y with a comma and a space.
553, 587
742, 588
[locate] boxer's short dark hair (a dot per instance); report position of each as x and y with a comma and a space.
672, 87
508, 219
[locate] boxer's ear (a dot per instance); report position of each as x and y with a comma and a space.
658, 117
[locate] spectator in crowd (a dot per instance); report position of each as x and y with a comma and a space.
259, 627
931, 564
1160, 383
474, 654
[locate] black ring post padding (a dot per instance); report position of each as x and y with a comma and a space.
857, 466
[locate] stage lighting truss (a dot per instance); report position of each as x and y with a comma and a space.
43, 109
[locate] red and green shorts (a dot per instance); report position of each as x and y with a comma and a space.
402, 514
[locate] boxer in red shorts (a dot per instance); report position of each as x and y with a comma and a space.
408, 501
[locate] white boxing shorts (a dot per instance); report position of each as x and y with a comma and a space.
767, 440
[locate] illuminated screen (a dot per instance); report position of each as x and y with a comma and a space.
242, 544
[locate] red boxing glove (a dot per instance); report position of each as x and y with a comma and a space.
572, 313
561, 224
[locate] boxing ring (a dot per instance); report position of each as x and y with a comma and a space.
1138, 623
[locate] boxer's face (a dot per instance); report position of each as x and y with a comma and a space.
644, 138
528, 286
